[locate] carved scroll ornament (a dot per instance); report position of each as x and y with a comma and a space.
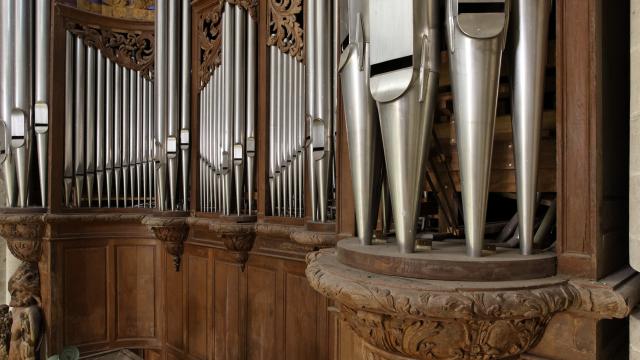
287, 34
237, 238
172, 231
23, 234
130, 49
251, 6
210, 41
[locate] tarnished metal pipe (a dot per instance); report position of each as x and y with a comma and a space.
405, 56
363, 127
68, 115
476, 40
41, 106
91, 123
7, 45
530, 26
284, 130
133, 124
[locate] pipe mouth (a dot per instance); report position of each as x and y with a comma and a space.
391, 65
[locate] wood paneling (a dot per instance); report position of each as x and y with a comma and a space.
85, 289
197, 274
300, 316
174, 304
261, 313
135, 292
226, 309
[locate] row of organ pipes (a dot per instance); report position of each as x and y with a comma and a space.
127, 134
389, 71
228, 120
24, 110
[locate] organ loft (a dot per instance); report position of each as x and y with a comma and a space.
319, 179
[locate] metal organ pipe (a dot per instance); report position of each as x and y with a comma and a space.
80, 91
68, 116
530, 25
310, 18
41, 107
476, 41
161, 53
100, 126
109, 129
7, 20
252, 76
90, 122
185, 98
239, 106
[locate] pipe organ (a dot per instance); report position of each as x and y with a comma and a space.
227, 113
24, 110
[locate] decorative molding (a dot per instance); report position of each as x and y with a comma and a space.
209, 29
440, 320
130, 49
23, 234
172, 231
315, 239
237, 238
286, 32
272, 230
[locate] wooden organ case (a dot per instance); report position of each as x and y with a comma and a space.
221, 259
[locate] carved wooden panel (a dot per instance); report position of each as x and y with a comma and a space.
227, 308
262, 334
196, 287
209, 40
300, 316
85, 295
135, 289
285, 18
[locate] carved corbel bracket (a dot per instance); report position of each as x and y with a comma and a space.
23, 233
238, 238
172, 231
423, 319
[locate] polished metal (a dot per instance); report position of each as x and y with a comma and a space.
79, 116
252, 81
7, 45
68, 116
145, 142
101, 148
476, 41
228, 66
239, 105
185, 99
530, 27
109, 130
284, 129
278, 125
139, 135
301, 139
21, 114
41, 106
117, 134
90, 125
310, 18
160, 91
272, 125
405, 36
173, 100
126, 130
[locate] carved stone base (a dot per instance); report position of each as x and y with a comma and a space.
427, 319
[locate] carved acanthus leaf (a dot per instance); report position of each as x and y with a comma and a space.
286, 32
237, 238
130, 49
251, 6
210, 41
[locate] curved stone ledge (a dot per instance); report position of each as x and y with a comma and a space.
423, 319
315, 239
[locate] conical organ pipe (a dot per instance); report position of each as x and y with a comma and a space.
228, 64
160, 91
239, 105
252, 78
363, 128
79, 116
185, 98
68, 116
7, 74
90, 124
405, 33
476, 40
530, 28
310, 99
109, 129
41, 107
272, 125
100, 126
173, 100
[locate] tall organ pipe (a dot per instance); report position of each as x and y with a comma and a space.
252, 77
80, 92
41, 107
68, 115
239, 106
185, 98
476, 41
90, 122
173, 105
100, 127
160, 90
310, 98
530, 26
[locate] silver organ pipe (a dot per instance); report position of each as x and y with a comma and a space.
160, 91
7, 30
117, 135
41, 107
101, 147
173, 105
185, 98
90, 122
68, 121
227, 120
79, 119
476, 41
109, 130
126, 129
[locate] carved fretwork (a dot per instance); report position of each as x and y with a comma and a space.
251, 6
23, 234
237, 238
130, 49
286, 32
210, 41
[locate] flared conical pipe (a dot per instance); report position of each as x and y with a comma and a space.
406, 98
476, 41
363, 136
530, 28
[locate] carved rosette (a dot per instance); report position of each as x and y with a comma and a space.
237, 238
286, 32
420, 319
130, 49
23, 234
210, 41
172, 231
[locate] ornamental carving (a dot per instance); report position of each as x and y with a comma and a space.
210, 41
23, 235
237, 238
172, 231
285, 17
250, 6
423, 319
130, 49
